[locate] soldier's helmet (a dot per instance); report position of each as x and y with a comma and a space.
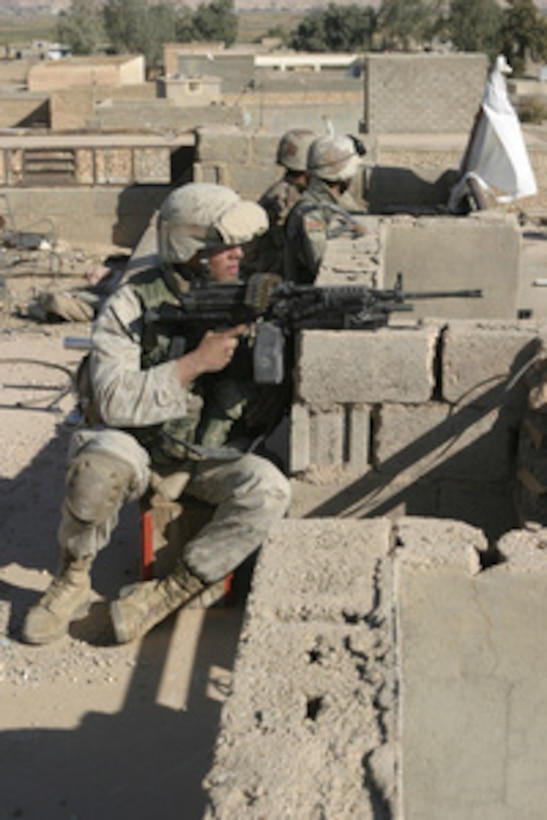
292, 150
199, 218
335, 158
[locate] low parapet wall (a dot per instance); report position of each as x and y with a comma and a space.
419, 420
436, 253
387, 671
406, 174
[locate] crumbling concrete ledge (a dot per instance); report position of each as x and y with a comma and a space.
388, 670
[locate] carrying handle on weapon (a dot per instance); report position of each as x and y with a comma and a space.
259, 289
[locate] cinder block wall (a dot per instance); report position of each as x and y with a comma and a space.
417, 420
435, 254
423, 93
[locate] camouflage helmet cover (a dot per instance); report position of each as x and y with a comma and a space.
335, 159
292, 150
204, 217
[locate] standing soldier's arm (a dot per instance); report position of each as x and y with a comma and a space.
306, 238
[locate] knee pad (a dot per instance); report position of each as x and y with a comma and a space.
96, 485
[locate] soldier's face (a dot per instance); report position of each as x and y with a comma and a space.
224, 264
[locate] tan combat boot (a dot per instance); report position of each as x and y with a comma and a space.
66, 599
143, 605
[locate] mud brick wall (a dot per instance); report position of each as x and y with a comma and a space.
420, 420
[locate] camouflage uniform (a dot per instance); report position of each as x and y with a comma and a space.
268, 254
325, 208
249, 492
137, 394
318, 215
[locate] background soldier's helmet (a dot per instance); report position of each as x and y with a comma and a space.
335, 159
199, 218
292, 150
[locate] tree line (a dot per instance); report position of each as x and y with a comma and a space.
516, 30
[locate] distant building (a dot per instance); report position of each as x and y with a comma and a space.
118, 70
190, 91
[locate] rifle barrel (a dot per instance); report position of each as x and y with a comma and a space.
413, 296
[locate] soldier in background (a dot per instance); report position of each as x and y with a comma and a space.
325, 208
166, 408
267, 251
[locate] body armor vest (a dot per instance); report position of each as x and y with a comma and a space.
215, 401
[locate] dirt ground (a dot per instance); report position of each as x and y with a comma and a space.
88, 729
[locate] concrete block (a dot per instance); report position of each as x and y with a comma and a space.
358, 437
470, 443
228, 142
327, 437
440, 253
473, 656
405, 437
264, 152
365, 367
300, 438
248, 180
427, 543
480, 360
210, 172
438, 714
523, 551
320, 569
307, 681
320, 713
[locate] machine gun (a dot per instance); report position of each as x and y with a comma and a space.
278, 309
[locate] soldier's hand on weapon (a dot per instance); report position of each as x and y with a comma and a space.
214, 353
218, 347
